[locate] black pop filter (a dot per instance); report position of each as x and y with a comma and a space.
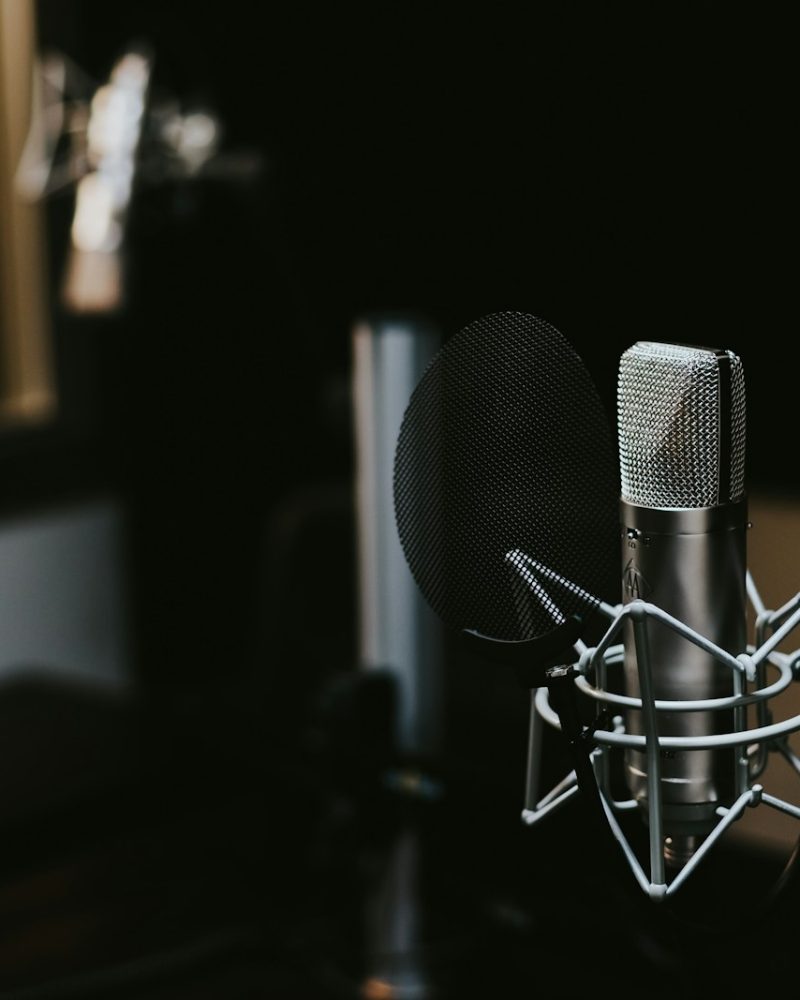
506, 485
506, 494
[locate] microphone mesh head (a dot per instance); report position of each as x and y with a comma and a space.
681, 444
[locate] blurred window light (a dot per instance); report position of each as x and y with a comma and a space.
104, 139
93, 275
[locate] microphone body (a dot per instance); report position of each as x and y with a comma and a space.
683, 516
691, 564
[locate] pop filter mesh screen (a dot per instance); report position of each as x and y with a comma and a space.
504, 456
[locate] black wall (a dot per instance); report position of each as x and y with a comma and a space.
622, 179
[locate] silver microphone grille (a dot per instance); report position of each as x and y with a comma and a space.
681, 418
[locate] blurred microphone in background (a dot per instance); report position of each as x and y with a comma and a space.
105, 139
398, 634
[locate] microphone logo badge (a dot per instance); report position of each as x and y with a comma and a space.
634, 583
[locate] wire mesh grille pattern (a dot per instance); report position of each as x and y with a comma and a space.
669, 426
505, 452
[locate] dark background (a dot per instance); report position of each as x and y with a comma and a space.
623, 179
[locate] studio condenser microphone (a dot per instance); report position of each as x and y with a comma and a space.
681, 421
508, 500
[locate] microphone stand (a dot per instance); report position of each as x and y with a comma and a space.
396, 959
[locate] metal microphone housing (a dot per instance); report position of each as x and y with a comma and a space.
691, 563
683, 516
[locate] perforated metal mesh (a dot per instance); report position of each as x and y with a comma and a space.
670, 427
506, 482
